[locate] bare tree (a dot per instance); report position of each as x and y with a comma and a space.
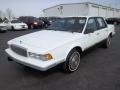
1, 13
9, 14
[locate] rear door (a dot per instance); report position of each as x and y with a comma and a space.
102, 30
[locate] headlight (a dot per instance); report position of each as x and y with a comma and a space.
35, 23
44, 57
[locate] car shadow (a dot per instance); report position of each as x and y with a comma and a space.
37, 73
56, 69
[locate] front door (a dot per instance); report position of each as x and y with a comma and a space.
90, 34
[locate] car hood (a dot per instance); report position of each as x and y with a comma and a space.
46, 39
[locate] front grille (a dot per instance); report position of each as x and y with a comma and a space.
19, 50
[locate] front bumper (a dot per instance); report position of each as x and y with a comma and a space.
36, 64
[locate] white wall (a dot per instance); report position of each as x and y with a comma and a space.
110, 13
116, 13
93, 10
68, 10
103, 12
81, 10
52, 12
119, 14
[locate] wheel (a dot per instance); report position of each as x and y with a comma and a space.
12, 28
31, 27
72, 61
46, 25
107, 43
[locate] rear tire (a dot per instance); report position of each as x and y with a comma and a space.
107, 42
31, 27
12, 28
72, 61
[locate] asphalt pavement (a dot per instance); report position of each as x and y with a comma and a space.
99, 70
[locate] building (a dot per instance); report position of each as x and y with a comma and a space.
81, 9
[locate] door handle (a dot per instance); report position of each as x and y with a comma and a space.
106, 30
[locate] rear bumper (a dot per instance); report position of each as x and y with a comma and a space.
3, 29
36, 64
21, 28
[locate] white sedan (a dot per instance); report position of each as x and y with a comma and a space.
15, 25
3, 27
63, 41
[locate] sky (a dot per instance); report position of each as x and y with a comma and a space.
35, 7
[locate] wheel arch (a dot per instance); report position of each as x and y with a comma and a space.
78, 48
65, 65
111, 35
12, 27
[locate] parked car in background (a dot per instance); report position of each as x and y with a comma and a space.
45, 20
32, 22
63, 42
3, 27
48, 20
15, 25
113, 20
53, 19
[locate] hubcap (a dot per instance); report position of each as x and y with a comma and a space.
74, 61
31, 26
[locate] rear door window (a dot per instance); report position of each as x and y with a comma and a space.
101, 23
91, 26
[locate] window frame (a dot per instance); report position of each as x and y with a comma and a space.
98, 23
87, 24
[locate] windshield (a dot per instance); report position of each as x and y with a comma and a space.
68, 24
15, 21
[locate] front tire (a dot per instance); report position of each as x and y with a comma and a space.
72, 61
